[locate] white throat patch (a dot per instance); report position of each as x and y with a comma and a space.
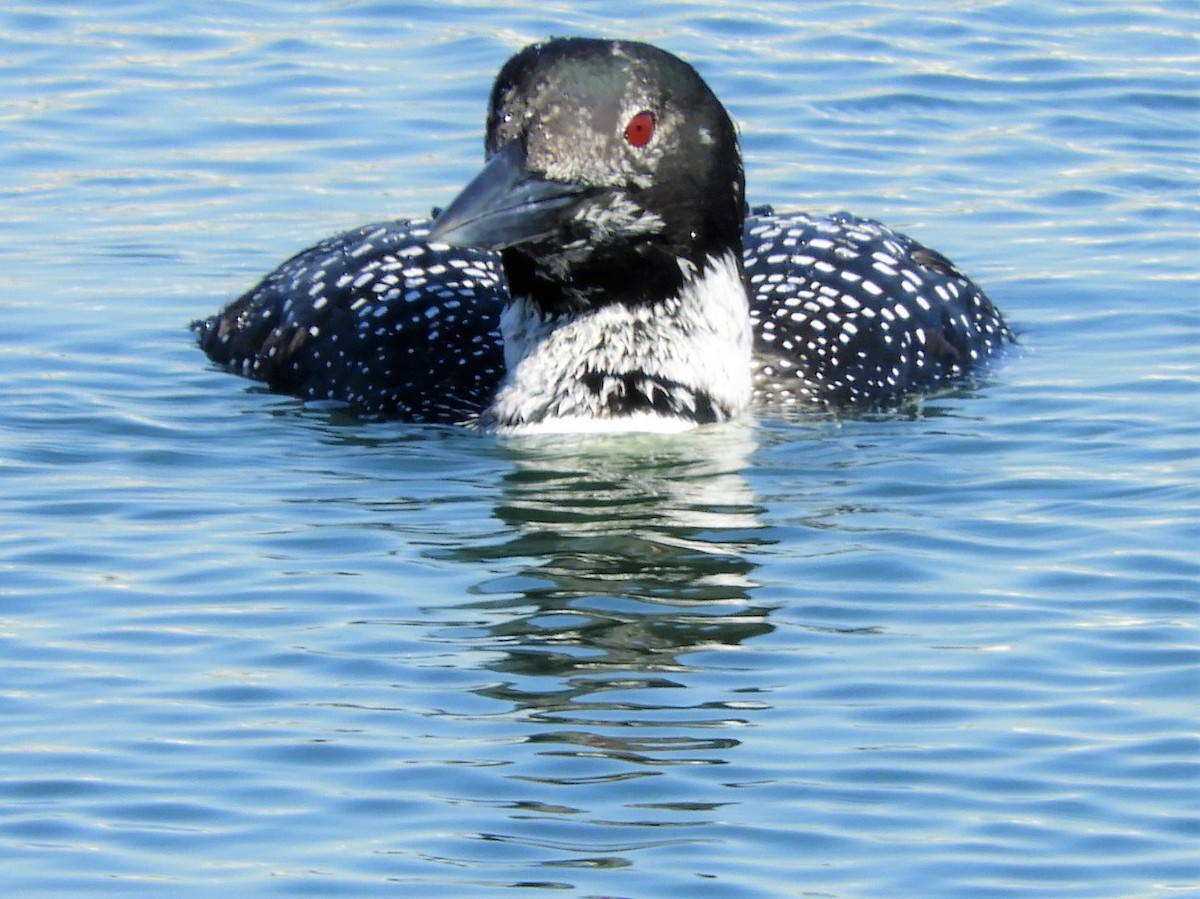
687, 359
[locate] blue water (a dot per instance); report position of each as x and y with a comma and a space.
250, 647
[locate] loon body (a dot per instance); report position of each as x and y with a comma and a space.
601, 272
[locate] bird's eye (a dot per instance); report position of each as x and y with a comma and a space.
640, 129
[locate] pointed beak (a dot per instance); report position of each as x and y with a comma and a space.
505, 205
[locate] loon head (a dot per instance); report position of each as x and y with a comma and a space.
613, 174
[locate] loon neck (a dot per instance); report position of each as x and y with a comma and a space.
652, 365
594, 270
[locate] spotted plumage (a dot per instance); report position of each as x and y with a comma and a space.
848, 313
373, 318
606, 275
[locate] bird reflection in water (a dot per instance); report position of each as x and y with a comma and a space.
638, 557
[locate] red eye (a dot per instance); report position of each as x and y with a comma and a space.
640, 129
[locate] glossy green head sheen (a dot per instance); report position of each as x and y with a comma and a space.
612, 168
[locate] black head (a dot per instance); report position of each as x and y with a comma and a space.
610, 162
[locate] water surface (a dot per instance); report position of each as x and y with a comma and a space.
250, 645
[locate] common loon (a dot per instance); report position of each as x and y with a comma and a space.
602, 272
